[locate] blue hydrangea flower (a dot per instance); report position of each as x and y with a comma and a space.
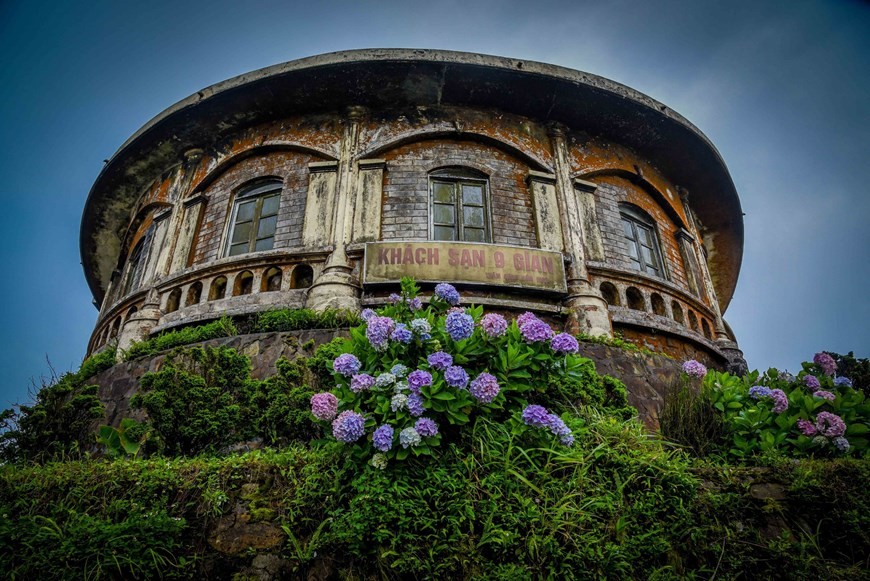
378, 331
346, 364
367, 314
401, 333
385, 380
418, 379
399, 402
394, 298
426, 427
536, 416
759, 391
421, 328
843, 382
456, 376
448, 293
459, 325
484, 388
440, 360
415, 304
361, 381
409, 437
842, 444
415, 405
558, 427
383, 438
348, 427
399, 370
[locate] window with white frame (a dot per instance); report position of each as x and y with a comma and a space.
254, 218
459, 208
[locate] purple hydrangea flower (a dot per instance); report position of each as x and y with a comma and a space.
394, 298
459, 325
367, 314
780, 400
448, 293
493, 324
426, 427
415, 405
409, 437
415, 304
825, 395
564, 343
346, 364
383, 438
418, 379
759, 391
826, 362
399, 370
378, 331
536, 416
807, 428
558, 427
348, 427
361, 381
401, 333
456, 376
421, 328
830, 425
485, 388
324, 406
842, 444
399, 402
842, 382
812, 381
537, 330
525, 318
440, 360
694, 368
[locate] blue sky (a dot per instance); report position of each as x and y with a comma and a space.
781, 88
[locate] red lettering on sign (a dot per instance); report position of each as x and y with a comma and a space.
382, 256
396, 256
478, 258
547, 263
499, 259
408, 258
518, 261
432, 254
453, 255
536, 263
420, 256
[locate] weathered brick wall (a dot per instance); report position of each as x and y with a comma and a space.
680, 349
291, 166
615, 190
406, 189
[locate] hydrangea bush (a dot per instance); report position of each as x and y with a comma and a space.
411, 372
815, 413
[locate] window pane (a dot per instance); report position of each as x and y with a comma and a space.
267, 227
647, 255
473, 217
442, 192
443, 214
646, 236
444, 233
246, 211
475, 235
632, 250
264, 244
242, 232
237, 249
627, 229
270, 205
472, 194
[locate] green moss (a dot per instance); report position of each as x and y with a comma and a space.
295, 319
223, 327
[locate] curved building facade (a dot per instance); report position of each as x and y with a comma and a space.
321, 182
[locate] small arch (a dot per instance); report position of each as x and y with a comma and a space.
693, 322
130, 312
174, 300
302, 277
705, 326
678, 313
635, 299
658, 304
271, 280
194, 294
218, 289
116, 328
610, 294
244, 284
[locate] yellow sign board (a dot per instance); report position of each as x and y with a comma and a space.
464, 262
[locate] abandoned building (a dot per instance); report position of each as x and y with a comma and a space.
321, 182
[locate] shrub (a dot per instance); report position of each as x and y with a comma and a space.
223, 327
295, 319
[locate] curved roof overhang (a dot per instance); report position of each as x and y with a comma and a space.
380, 78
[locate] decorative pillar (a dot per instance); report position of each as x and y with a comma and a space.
140, 323
337, 287
587, 310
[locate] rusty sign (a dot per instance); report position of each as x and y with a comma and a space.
465, 262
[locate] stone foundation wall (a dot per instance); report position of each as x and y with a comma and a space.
647, 377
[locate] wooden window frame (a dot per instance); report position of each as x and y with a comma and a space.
258, 194
457, 177
637, 219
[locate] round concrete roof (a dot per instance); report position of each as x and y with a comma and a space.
383, 78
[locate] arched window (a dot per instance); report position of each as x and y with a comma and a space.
459, 208
174, 300
218, 288
678, 312
610, 294
271, 280
635, 299
194, 293
693, 322
643, 243
254, 218
705, 327
244, 283
302, 277
136, 262
658, 304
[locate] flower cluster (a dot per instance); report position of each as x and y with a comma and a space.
378, 331
538, 417
448, 293
759, 391
324, 406
533, 329
780, 400
440, 360
382, 439
493, 325
694, 368
842, 382
807, 428
422, 329
409, 437
361, 381
825, 395
564, 343
401, 333
812, 382
459, 325
826, 362
484, 388
348, 427
419, 379
426, 427
456, 376
830, 425
346, 364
